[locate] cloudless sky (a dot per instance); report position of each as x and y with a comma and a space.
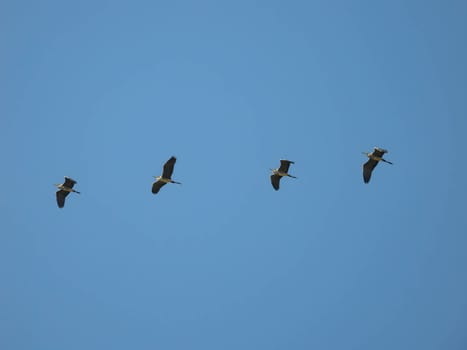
106, 91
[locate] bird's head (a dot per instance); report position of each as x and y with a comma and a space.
274, 171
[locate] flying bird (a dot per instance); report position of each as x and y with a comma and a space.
64, 189
166, 176
282, 171
374, 158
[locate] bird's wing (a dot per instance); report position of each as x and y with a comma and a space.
156, 186
169, 168
69, 182
61, 195
275, 179
284, 168
368, 168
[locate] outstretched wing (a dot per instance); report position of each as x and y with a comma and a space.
69, 182
61, 195
156, 186
169, 168
368, 169
285, 164
275, 179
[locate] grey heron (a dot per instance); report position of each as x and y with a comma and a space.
64, 189
374, 158
280, 172
166, 176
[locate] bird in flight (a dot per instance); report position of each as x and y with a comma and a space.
166, 176
280, 172
64, 189
374, 158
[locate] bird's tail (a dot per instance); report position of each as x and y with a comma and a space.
386, 161
76, 192
294, 177
175, 182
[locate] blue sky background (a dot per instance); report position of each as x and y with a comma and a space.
107, 91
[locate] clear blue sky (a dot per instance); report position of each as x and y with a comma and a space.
107, 91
